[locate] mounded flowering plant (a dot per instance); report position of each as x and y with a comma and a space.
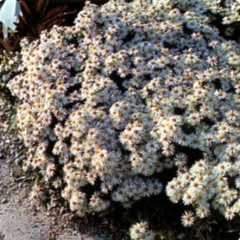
129, 90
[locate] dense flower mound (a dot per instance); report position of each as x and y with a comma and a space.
130, 90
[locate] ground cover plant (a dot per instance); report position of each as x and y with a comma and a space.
135, 100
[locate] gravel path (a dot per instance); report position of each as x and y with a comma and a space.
18, 219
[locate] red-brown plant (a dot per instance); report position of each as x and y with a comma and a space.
36, 17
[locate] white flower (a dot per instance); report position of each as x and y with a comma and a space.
203, 211
229, 213
188, 219
189, 197
168, 150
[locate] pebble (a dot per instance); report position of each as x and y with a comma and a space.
4, 200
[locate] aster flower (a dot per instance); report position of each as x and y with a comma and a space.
188, 219
203, 211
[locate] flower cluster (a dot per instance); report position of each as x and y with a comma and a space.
140, 231
208, 185
229, 12
9, 62
127, 91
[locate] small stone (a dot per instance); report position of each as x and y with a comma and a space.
4, 200
181, 236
